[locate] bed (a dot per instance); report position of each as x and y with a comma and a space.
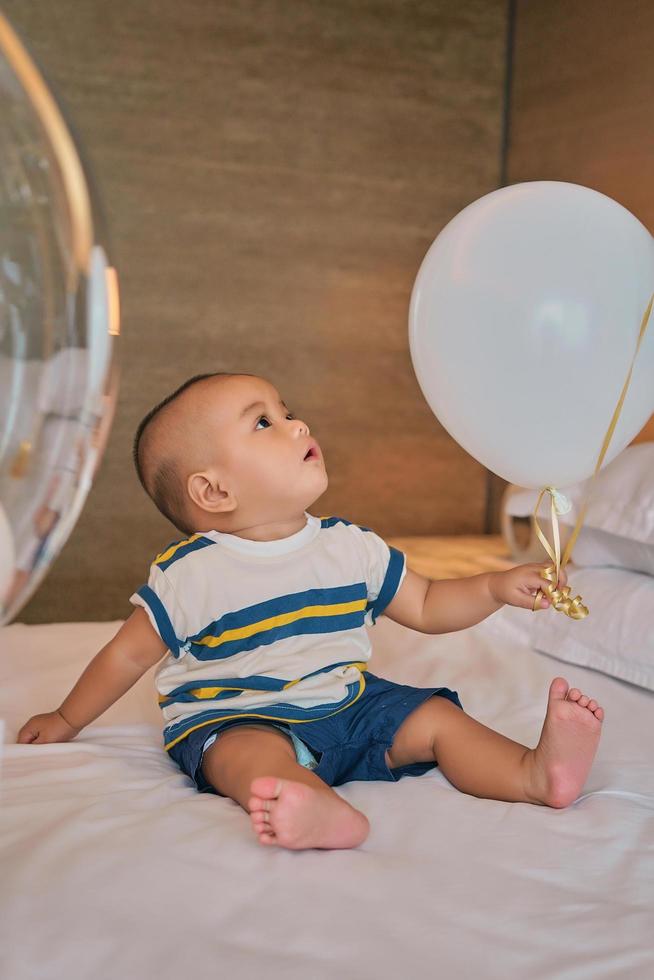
113, 866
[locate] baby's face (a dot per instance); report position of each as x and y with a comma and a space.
260, 452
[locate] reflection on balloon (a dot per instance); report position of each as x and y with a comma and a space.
59, 320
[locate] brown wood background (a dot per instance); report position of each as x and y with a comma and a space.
580, 109
272, 175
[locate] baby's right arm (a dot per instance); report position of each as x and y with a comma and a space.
134, 649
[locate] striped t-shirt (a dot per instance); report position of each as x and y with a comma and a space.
267, 629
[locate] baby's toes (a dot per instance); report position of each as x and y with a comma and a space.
592, 704
260, 825
258, 820
599, 714
574, 694
583, 701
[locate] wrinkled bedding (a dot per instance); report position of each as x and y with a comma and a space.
114, 866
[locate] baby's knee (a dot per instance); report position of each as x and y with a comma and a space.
240, 751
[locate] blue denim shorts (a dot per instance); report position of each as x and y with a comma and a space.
345, 746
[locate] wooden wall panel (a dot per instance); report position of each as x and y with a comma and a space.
273, 174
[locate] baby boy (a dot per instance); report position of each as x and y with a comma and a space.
257, 620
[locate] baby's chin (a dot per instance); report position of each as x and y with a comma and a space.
318, 492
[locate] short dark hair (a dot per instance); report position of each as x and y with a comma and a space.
167, 489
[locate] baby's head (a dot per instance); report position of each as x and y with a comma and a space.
223, 452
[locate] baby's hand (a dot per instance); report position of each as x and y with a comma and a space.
518, 586
49, 727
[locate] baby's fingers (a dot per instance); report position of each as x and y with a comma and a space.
535, 582
563, 578
28, 733
526, 600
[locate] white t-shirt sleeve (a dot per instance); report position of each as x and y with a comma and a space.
163, 608
385, 568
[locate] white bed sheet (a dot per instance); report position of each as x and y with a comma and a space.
114, 866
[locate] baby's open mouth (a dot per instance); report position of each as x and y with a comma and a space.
312, 453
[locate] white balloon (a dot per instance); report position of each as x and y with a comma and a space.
523, 322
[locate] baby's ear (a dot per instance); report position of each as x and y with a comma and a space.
205, 492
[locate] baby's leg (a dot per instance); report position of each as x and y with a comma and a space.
484, 763
288, 805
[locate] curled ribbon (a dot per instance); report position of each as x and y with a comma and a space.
560, 598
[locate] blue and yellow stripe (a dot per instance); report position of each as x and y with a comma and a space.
300, 613
178, 549
234, 686
288, 713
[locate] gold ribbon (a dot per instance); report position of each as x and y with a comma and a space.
560, 598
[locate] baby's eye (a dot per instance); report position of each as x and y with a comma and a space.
289, 416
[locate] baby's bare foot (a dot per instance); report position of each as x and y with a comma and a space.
561, 761
298, 816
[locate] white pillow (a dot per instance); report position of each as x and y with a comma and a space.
601, 548
617, 637
618, 528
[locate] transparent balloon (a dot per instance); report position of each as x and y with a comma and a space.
59, 324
